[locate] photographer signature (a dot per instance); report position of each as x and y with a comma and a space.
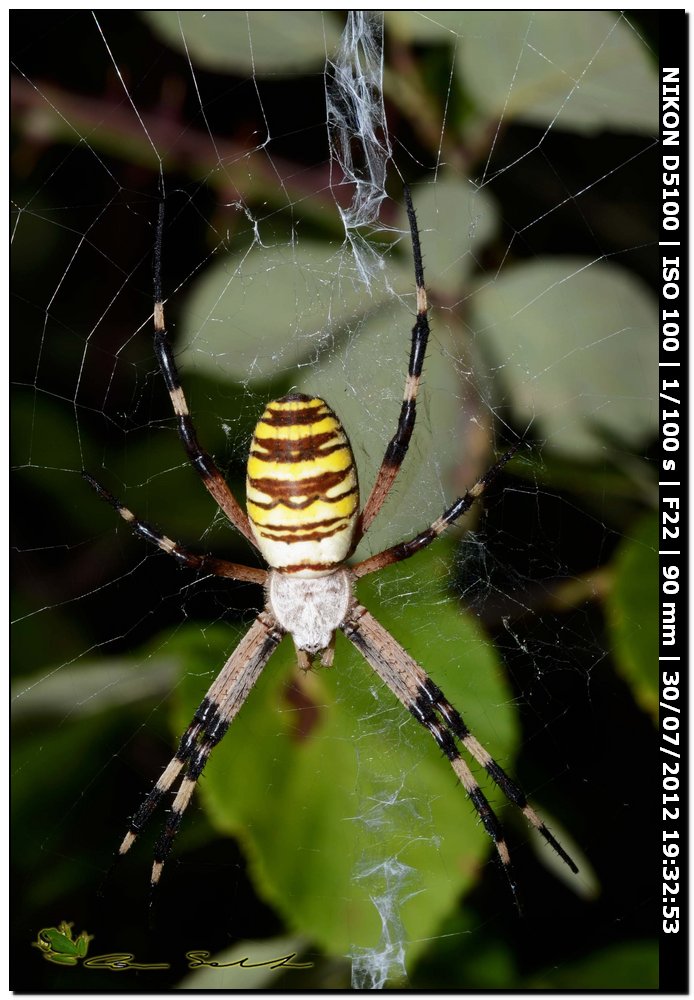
59, 946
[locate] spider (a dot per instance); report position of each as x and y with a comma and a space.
303, 516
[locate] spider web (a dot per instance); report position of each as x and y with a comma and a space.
280, 143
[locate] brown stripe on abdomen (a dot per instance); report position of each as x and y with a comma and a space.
295, 534
315, 487
293, 418
306, 450
292, 504
302, 491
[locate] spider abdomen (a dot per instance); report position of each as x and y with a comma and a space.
302, 494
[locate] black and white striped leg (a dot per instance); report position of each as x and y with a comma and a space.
401, 674
426, 702
399, 443
425, 715
509, 787
403, 550
212, 719
204, 563
202, 462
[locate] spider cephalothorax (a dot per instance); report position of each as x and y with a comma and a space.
304, 518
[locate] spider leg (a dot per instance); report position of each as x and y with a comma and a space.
399, 443
209, 724
509, 787
400, 673
403, 550
411, 685
202, 462
205, 563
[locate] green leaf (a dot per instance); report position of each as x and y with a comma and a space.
92, 688
345, 806
44, 435
582, 70
281, 306
632, 612
630, 966
425, 28
577, 345
253, 319
460, 957
456, 222
265, 42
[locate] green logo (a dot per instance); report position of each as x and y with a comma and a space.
57, 944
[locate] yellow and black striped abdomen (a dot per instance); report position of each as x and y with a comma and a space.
301, 487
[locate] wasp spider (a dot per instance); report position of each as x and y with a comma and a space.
303, 516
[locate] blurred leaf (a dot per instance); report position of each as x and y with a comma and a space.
632, 612
427, 28
338, 796
587, 884
461, 956
584, 70
631, 966
266, 42
56, 776
234, 328
593, 482
456, 222
279, 307
44, 430
580, 70
46, 770
578, 346
92, 688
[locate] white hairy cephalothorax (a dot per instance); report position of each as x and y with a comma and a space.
310, 609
